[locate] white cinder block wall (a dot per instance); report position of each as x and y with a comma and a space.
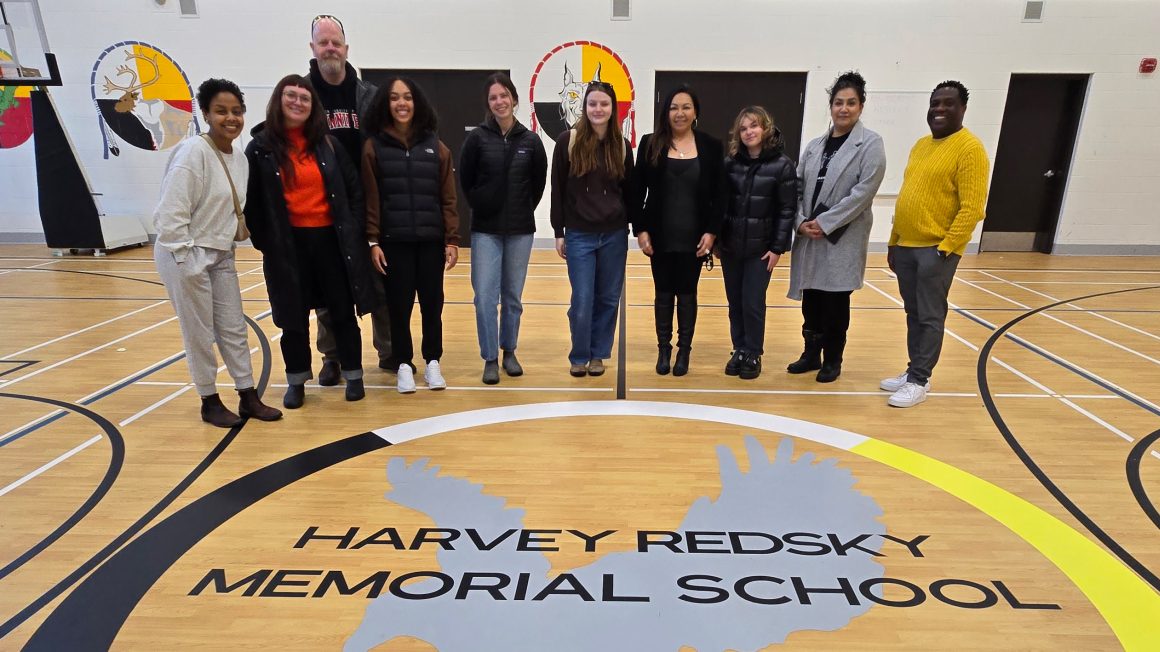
1114, 190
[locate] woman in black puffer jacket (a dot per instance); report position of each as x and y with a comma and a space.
761, 183
503, 170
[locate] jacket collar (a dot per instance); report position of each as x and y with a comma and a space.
842, 158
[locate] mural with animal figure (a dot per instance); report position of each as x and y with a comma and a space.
142, 98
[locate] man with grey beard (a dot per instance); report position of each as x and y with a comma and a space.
346, 99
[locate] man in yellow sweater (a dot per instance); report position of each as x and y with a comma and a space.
944, 192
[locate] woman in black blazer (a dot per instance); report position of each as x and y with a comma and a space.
679, 181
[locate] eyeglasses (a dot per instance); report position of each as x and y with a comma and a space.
301, 98
326, 17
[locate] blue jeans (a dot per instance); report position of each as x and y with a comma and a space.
596, 272
499, 267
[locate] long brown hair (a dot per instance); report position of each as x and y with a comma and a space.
589, 149
315, 129
770, 135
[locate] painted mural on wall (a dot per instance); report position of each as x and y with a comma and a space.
15, 112
143, 98
558, 84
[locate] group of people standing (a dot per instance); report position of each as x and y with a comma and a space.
342, 178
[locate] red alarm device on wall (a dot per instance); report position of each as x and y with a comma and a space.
1148, 64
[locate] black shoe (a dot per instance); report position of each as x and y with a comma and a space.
490, 372
734, 364
295, 395
681, 364
250, 405
215, 413
750, 367
355, 390
511, 366
330, 374
664, 354
811, 358
830, 372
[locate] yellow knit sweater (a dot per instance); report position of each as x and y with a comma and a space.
944, 193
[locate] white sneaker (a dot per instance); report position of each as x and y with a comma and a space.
406, 380
434, 376
894, 384
909, 395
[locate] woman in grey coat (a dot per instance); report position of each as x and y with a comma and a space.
839, 175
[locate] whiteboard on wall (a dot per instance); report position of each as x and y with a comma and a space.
900, 118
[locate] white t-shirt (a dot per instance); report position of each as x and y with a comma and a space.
197, 206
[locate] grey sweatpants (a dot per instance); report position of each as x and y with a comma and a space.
208, 301
924, 281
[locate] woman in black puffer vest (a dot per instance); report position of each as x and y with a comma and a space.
503, 170
412, 223
762, 201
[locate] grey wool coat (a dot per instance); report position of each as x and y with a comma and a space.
852, 180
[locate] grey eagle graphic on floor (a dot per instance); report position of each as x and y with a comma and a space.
775, 497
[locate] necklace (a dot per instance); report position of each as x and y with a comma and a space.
680, 152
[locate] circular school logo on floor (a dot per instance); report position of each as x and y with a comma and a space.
143, 98
562, 76
605, 525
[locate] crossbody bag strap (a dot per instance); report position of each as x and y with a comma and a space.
229, 177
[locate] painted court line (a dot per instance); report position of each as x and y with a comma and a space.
85, 330
1095, 313
51, 464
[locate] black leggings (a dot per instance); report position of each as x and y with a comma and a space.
827, 313
415, 268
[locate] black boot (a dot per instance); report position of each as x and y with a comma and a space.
832, 348
750, 366
686, 325
663, 314
733, 367
355, 391
811, 358
251, 405
215, 413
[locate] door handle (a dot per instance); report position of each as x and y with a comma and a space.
1049, 174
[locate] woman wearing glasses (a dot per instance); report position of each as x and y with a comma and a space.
503, 170
679, 180
305, 212
197, 223
591, 192
840, 174
412, 221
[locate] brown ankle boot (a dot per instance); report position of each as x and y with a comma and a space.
216, 414
252, 406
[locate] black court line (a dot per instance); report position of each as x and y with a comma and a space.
116, 461
90, 617
1132, 468
622, 348
20, 364
80, 271
1012, 441
93, 562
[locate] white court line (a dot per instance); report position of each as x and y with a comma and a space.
1020, 374
1058, 320
392, 387
1059, 282
51, 464
787, 392
85, 330
186, 388
1072, 305
9, 271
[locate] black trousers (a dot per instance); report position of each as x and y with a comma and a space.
827, 313
322, 281
415, 268
746, 281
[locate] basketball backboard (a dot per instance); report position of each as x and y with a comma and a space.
25, 59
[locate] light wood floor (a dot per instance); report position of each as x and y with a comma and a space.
1066, 521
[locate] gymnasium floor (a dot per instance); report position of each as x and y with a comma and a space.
1015, 509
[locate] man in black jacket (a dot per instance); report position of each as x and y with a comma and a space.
346, 99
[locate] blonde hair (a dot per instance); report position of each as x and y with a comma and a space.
769, 138
586, 149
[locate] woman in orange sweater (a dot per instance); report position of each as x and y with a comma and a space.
305, 211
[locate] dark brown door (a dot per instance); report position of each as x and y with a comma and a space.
1033, 161
458, 98
724, 94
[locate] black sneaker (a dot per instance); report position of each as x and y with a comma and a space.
734, 364
750, 366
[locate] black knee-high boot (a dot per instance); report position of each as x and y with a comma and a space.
686, 325
811, 357
663, 312
833, 344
